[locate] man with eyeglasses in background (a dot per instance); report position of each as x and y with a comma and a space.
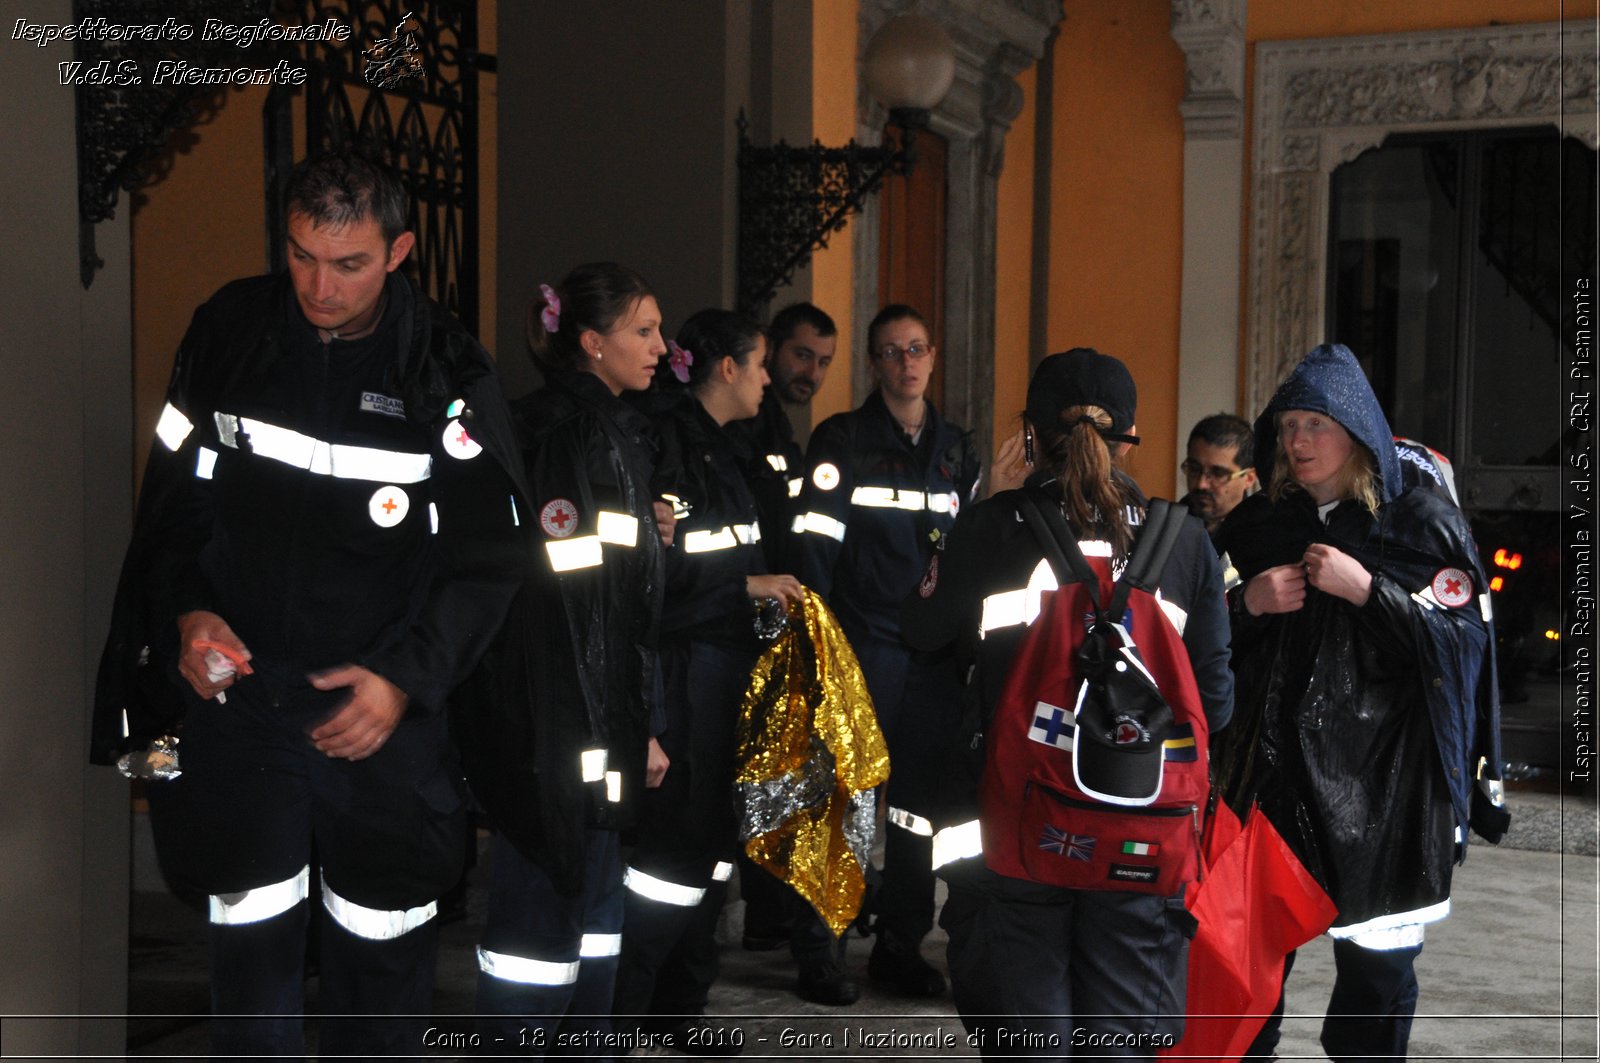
1221, 473
883, 485
1220, 468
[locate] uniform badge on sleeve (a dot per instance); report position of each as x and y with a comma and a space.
558, 518
388, 506
1452, 587
930, 578
458, 444
826, 476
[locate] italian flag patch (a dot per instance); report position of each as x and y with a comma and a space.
1139, 849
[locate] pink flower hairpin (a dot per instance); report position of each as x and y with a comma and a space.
679, 360
551, 314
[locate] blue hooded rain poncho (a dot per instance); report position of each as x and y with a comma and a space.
1360, 730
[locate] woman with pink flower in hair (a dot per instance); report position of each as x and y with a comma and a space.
717, 594
559, 746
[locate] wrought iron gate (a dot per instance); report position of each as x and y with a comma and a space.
405, 88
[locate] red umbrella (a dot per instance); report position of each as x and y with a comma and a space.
1255, 905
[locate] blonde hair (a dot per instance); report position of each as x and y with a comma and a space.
1358, 479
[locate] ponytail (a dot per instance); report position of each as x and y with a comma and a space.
1091, 498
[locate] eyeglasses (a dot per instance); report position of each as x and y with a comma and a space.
1216, 473
916, 352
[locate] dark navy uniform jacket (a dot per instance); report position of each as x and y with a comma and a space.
980, 594
720, 541
354, 501
554, 734
774, 469
875, 507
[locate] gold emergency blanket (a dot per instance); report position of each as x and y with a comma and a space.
809, 755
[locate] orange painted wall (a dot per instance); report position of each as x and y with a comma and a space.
833, 121
202, 226
205, 224
1013, 265
1117, 206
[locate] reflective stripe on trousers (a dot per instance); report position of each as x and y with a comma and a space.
525, 970
263, 902
375, 924
656, 889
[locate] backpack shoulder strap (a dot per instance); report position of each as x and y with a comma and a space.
1055, 538
1163, 524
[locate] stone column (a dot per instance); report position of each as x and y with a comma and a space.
67, 490
1211, 34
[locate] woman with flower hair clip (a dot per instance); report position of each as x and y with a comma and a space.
559, 746
716, 585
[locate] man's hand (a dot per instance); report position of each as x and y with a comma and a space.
1277, 590
655, 765
366, 719
201, 626
1335, 572
1009, 470
666, 523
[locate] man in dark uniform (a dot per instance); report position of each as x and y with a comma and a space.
325, 543
884, 483
800, 345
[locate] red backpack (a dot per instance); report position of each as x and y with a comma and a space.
1096, 770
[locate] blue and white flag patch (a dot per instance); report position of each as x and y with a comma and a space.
1052, 726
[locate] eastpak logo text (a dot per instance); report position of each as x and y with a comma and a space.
1132, 873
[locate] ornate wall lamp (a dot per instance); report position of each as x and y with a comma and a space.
792, 199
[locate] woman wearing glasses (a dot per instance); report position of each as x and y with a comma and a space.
883, 486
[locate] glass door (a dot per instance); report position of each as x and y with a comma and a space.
1449, 257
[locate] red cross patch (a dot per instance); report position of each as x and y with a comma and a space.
1452, 587
558, 518
388, 506
458, 444
930, 578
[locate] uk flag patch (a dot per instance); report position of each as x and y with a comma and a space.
1063, 843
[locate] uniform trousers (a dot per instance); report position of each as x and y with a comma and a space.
686, 836
256, 810
1369, 1012
1048, 972
547, 965
917, 709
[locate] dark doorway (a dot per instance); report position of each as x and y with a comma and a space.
911, 227
1452, 259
